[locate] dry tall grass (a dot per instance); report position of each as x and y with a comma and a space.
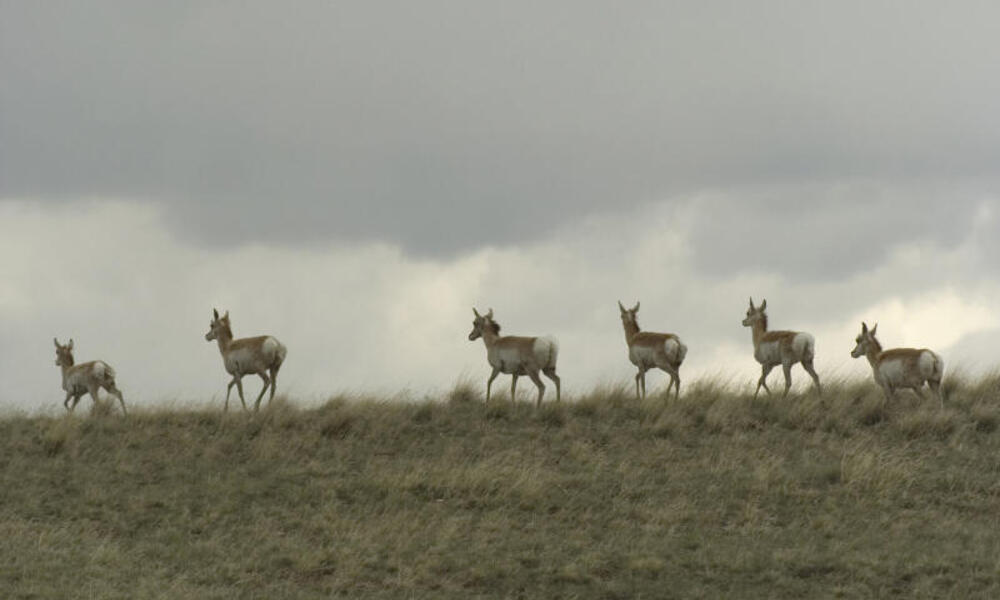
714, 495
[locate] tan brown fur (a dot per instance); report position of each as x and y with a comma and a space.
262, 355
900, 367
773, 348
88, 377
516, 355
648, 349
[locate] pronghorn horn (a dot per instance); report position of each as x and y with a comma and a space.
476, 312
56, 342
620, 307
751, 301
864, 327
215, 313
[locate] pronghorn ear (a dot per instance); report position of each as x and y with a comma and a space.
751, 302
489, 315
763, 304
476, 312
636, 309
69, 346
864, 327
226, 316
621, 308
54, 340
874, 327
215, 313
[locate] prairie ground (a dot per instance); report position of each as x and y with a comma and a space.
714, 495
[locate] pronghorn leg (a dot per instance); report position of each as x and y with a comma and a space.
764, 371
489, 382
808, 366
638, 375
76, 400
642, 379
551, 374
274, 383
513, 388
69, 395
93, 394
787, 369
541, 386
113, 390
919, 392
675, 379
267, 384
936, 388
239, 388
229, 388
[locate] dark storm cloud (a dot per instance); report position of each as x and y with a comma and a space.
443, 126
813, 232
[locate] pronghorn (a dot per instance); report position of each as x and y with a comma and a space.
773, 348
900, 367
647, 350
516, 355
88, 377
261, 355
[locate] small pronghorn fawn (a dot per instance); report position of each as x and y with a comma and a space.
516, 355
262, 355
88, 377
773, 348
900, 367
647, 350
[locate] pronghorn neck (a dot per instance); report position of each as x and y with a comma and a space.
631, 330
758, 329
65, 371
489, 336
224, 337
874, 350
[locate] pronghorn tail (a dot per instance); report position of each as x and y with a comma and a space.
282, 352
105, 374
937, 368
805, 347
547, 352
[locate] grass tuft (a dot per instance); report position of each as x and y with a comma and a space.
715, 494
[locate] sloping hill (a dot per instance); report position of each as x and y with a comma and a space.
716, 495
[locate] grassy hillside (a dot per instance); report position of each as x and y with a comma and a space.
715, 495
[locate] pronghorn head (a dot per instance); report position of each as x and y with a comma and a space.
756, 314
64, 354
218, 326
865, 341
482, 323
628, 314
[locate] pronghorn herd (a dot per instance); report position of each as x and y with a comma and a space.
518, 355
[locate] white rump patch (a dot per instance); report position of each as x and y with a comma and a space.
674, 350
929, 363
804, 346
546, 351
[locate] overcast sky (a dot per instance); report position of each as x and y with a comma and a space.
352, 177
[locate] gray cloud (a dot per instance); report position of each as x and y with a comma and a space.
809, 232
444, 126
